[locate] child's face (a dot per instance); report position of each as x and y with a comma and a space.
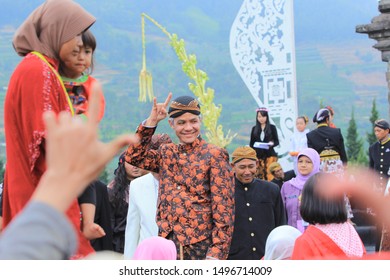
76, 62
301, 125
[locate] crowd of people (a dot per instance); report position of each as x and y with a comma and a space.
184, 199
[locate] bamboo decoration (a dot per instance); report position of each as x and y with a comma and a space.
145, 78
210, 111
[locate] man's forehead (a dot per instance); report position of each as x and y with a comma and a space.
245, 162
187, 117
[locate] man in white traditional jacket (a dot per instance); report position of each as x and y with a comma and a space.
141, 216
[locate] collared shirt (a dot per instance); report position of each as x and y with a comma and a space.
379, 154
196, 194
259, 209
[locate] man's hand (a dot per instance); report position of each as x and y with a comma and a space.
159, 111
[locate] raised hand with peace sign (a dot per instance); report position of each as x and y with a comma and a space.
159, 111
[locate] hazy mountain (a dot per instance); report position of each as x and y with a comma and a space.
319, 20
335, 65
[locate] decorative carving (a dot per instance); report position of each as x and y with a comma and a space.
263, 52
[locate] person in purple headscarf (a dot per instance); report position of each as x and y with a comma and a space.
308, 165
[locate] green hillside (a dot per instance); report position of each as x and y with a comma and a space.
343, 73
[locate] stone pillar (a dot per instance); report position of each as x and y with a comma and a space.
379, 30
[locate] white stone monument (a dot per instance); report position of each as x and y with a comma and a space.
262, 49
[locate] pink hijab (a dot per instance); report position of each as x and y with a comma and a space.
51, 25
155, 248
300, 180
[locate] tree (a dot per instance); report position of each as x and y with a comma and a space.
371, 139
354, 143
362, 157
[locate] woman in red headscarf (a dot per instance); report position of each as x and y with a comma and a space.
51, 32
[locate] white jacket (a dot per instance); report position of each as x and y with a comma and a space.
141, 216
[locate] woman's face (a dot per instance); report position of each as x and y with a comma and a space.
262, 119
305, 165
133, 171
301, 125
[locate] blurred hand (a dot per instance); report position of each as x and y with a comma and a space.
74, 154
363, 185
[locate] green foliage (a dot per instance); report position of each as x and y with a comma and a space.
371, 139
209, 110
362, 158
354, 143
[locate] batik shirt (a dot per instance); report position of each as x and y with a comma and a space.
196, 194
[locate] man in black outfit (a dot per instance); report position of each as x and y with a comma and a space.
279, 175
258, 208
379, 154
325, 137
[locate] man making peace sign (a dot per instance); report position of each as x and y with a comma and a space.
196, 195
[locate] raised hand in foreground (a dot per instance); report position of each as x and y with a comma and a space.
74, 154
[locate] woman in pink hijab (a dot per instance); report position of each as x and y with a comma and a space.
155, 248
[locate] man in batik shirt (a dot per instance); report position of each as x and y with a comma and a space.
196, 195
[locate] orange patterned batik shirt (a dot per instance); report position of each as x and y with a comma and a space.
196, 194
